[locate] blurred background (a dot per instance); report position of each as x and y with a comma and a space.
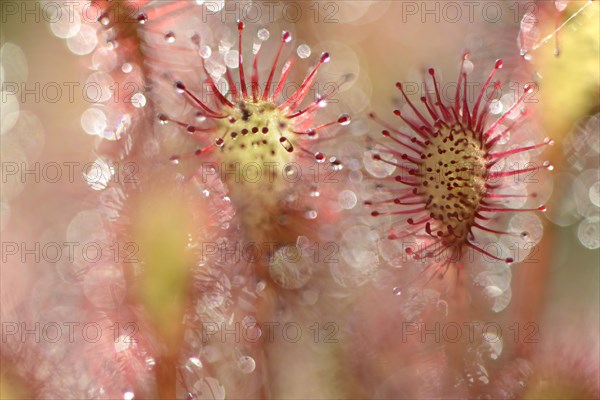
49, 121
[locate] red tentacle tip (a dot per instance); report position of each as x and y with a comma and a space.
179, 86
397, 112
542, 208
286, 37
431, 71
163, 119
344, 119
528, 88
509, 260
498, 64
375, 213
399, 85
240, 25
385, 132
325, 57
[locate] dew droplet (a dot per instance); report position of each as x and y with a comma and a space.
256, 47
193, 363
263, 34
205, 51
303, 51
377, 168
397, 291
261, 286
246, 364
496, 107
594, 194
561, 5
84, 42
290, 267
98, 174
310, 214
129, 395
347, 199
138, 100
231, 59
126, 68
94, 121
468, 67
215, 6
492, 291
65, 24
588, 232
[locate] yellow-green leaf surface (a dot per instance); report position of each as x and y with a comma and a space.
161, 230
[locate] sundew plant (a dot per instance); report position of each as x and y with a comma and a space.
231, 199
